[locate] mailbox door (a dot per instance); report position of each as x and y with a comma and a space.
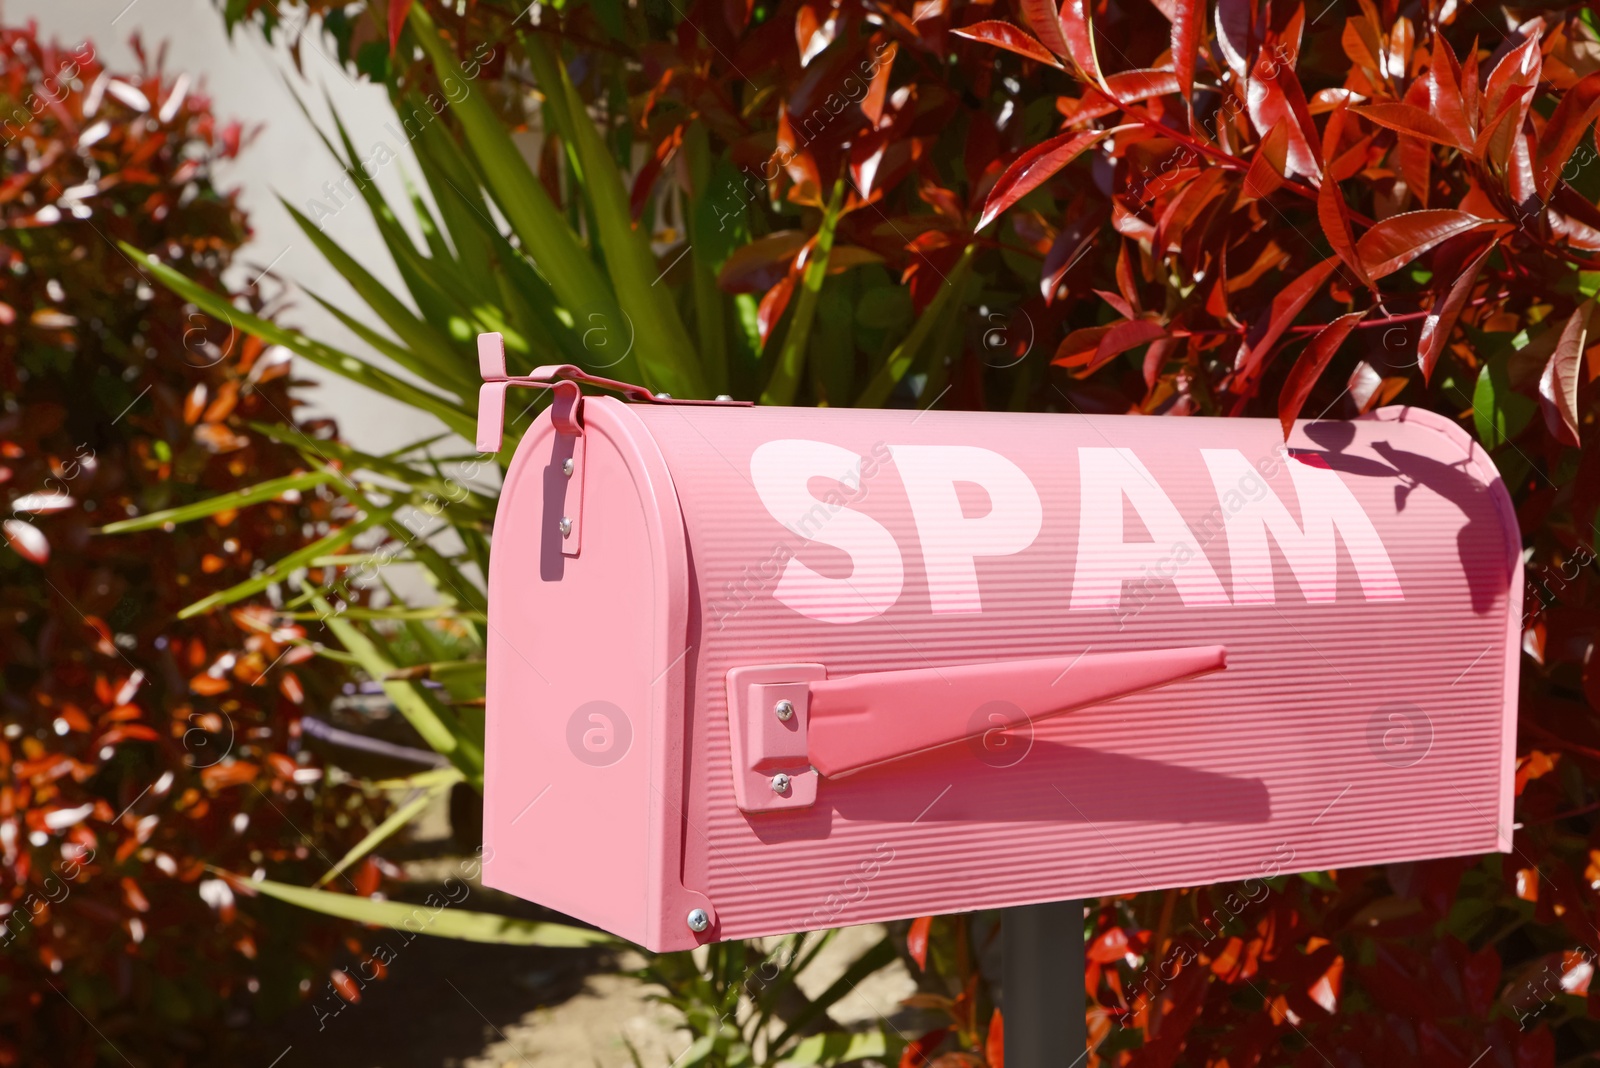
586, 680
1365, 585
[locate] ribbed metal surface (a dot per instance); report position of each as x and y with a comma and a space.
1286, 761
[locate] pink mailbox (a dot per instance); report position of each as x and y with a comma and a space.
759, 670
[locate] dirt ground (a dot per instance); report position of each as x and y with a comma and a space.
447, 1004
456, 1005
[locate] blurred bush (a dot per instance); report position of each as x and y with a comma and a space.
138, 750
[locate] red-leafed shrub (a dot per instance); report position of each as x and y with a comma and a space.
1317, 210
137, 750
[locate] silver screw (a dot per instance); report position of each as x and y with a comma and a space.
566, 467
724, 396
566, 527
698, 920
784, 710
663, 396
780, 783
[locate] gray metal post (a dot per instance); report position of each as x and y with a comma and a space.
1042, 992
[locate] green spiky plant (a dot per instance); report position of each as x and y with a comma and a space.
554, 260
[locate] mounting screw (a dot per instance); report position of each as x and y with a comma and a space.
724, 396
663, 396
780, 783
566, 467
784, 710
698, 920
566, 527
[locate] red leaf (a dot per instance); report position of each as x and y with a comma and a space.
1041, 15
1109, 947
806, 24
1285, 306
917, 940
1396, 241
1236, 34
1494, 140
1558, 386
1267, 165
398, 11
772, 306
1416, 154
1407, 119
1572, 117
1471, 99
345, 985
1446, 101
1130, 86
1069, 246
134, 897
1334, 214
1370, 390
878, 91
645, 180
1127, 285
1442, 316
1158, 355
27, 540
1187, 26
1011, 38
994, 1046
1275, 96
1309, 367
1118, 302
1035, 167
1186, 206
1517, 72
1077, 23
136, 732
917, 1054
760, 265
1079, 347
1121, 338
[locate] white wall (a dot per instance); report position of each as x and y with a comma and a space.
247, 79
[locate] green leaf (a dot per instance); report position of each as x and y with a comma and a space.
879, 956
906, 353
1499, 412
393, 615
786, 375
433, 354
450, 579
397, 819
709, 320
463, 680
324, 356
441, 919
521, 198
841, 1048
422, 780
442, 736
1319, 879
280, 570
449, 176
666, 355
452, 493
270, 490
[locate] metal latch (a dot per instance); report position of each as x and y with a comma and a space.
566, 413
791, 725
